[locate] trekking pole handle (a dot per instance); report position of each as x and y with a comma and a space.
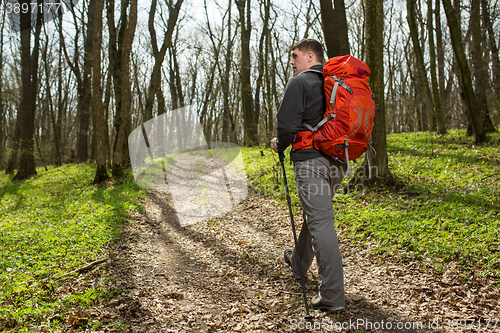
282, 162
282, 157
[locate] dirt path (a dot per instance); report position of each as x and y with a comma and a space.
227, 274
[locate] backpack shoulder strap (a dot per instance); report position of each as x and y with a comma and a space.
313, 70
315, 128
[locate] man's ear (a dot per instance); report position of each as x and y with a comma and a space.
310, 56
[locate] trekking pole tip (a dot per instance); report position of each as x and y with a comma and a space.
308, 317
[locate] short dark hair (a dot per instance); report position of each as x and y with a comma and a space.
310, 45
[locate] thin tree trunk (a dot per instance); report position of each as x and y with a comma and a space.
249, 124
84, 107
57, 156
93, 139
441, 128
177, 78
274, 85
173, 89
375, 60
226, 130
487, 24
137, 92
75, 68
480, 69
2, 108
13, 157
440, 55
465, 75
107, 98
207, 94
419, 59
96, 9
267, 65
258, 85
40, 151
419, 114
159, 55
60, 102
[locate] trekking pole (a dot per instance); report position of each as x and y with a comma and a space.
282, 160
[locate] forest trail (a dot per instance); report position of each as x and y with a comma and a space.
227, 274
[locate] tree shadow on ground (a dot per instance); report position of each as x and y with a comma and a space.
219, 287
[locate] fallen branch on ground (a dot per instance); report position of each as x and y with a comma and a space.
83, 269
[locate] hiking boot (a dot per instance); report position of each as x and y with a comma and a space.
317, 304
288, 259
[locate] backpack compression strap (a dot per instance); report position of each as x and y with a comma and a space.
338, 82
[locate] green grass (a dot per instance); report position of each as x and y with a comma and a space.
265, 176
442, 207
50, 225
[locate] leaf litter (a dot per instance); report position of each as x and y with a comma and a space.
227, 274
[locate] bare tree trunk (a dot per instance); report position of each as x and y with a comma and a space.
93, 139
160, 99
177, 78
268, 73
75, 68
465, 75
159, 55
335, 30
101, 175
273, 84
2, 108
173, 89
207, 94
13, 157
417, 98
440, 55
487, 24
120, 50
441, 128
137, 90
260, 77
226, 130
107, 98
480, 69
375, 60
51, 105
419, 59
61, 105
249, 123
194, 75
29, 74
84, 105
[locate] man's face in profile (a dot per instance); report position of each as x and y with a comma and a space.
300, 61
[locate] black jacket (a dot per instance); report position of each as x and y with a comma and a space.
303, 102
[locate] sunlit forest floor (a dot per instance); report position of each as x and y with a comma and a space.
421, 250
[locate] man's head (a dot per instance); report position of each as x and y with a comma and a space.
306, 52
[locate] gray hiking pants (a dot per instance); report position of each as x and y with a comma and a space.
317, 180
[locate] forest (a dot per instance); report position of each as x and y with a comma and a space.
431, 70
86, 246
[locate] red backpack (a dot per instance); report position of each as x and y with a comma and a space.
347, 124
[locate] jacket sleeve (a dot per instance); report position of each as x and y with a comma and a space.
289, 118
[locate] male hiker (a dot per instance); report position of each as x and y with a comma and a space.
316, 175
